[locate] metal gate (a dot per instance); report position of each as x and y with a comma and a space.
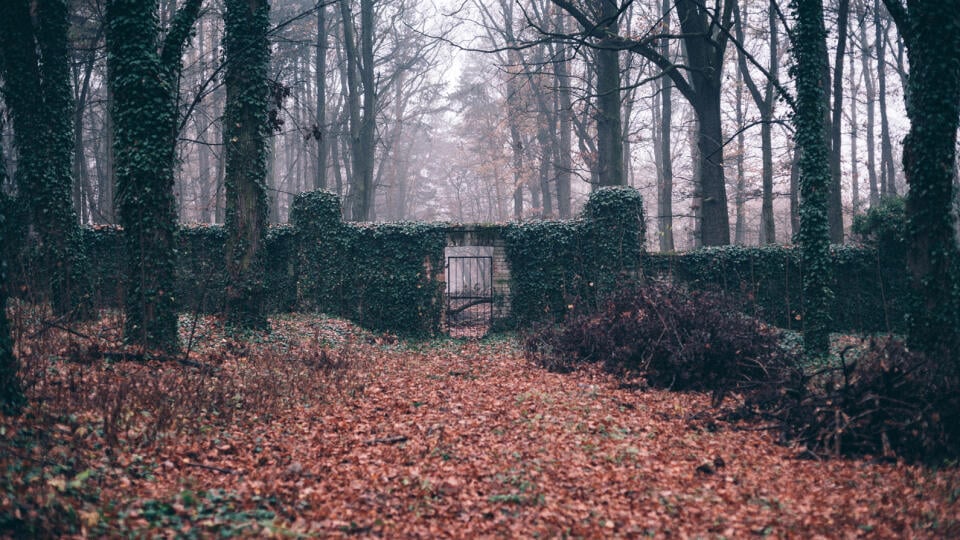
469, 291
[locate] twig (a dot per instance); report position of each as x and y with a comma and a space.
47, 324
389, 440
123, 356
211, 468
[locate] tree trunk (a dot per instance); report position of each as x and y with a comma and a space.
664, 151
321, 134
929, 159
106, 178
144, 85
795, 192
80, 172
809, 51
765, 104
36, 74
11, 388
516, 147
360, 81
608, 113
715, 227
854, 136
871, 98
705, 61
246, 128
768, 231
740, 225
564, 164
364, 159
835, 212
888, 175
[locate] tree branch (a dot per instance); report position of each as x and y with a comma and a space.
179, 34
900, 16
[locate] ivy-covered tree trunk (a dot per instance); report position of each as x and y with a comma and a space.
809, 51
143, 77
932, 34
246, 129
36, 75
11, 391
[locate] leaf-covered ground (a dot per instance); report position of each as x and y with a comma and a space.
320, 429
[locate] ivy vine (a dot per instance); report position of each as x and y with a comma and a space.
809, 52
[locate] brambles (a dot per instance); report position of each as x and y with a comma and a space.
880, 398
684, 340
887, 400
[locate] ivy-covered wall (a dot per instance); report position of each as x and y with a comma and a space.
559, 265
383, 276
766, 282
390, 276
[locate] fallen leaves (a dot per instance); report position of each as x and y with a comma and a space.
442, 438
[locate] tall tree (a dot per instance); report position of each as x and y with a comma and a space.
600, 21
246, 129
564, 165
740, 197
11, 390
705, 32
766, 103
809, 51
321, 133
888, 175
664, 147
854, 83
871, 97
36, 75
362, 106
143, 75
835, 206
931, 31
608, 115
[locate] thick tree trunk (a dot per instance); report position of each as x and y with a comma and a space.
145, 118
809, 50
246, 128
609, 128
11, 388
360, 75
705, 63
929, 159
364, 159
795, 192
715, 229
36, 73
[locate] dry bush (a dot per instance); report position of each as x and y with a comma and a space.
683, 340
888, 401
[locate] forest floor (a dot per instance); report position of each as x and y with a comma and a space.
320, 429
